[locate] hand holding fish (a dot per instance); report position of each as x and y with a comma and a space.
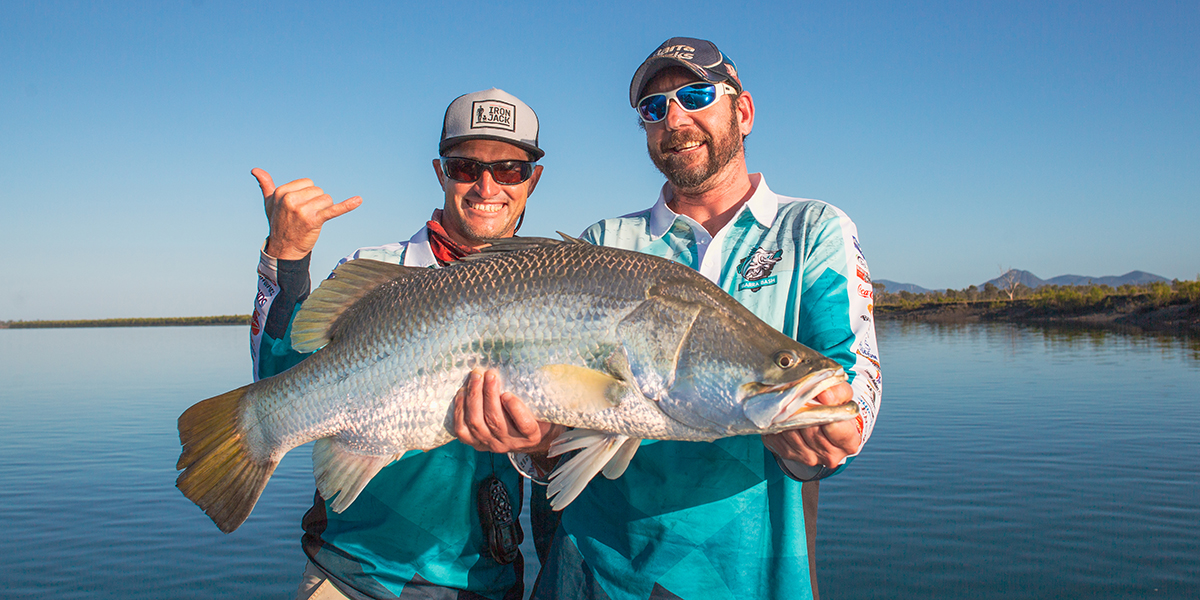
824, 445
296, 211
493, 421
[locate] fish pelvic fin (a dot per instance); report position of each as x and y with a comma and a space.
343, 473
314, 324
598, 451
220, 473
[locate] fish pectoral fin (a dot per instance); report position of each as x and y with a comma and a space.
313, 325
342, 472
581, 389
610, 452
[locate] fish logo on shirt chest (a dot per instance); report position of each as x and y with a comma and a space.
756, 268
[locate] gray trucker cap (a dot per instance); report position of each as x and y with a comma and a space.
491, 115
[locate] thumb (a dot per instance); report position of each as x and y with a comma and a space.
264, 181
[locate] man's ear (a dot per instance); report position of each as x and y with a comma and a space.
745, 108
533, 179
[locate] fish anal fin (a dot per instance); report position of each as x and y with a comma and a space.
616, 466
597, 451
581, 389
313, 326
221, 473
344, 473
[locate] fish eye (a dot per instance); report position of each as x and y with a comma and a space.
786, 359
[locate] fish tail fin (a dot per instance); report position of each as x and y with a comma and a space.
220, 473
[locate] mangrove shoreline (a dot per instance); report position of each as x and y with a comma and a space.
1115, 313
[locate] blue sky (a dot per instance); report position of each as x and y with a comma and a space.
1060, 138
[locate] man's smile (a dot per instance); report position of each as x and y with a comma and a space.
687, 146
484, 206
682, 142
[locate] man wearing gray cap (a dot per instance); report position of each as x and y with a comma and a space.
727, 519
439, 524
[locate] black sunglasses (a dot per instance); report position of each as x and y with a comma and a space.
505, 172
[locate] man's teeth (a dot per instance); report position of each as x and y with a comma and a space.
687, 146
486, 207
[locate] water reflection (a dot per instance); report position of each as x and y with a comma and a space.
1009, 461
1022, 461
1063, 336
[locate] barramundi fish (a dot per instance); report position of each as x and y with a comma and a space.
619, 345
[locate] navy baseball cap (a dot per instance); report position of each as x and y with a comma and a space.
698, 56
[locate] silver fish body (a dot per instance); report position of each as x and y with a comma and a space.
620, 345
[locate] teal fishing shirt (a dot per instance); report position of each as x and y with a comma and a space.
723, 520
414, 531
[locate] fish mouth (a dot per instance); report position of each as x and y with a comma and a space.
793, 404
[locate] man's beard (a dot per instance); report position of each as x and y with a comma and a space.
720, 152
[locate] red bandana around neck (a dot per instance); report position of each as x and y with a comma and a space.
445, 249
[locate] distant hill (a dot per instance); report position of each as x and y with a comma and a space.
1131, 278
893, 287
1033, 281
1026, 278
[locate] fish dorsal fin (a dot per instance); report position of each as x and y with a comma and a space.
313, 326
652, 336
511, 244
518, 244
342, 472
581, 389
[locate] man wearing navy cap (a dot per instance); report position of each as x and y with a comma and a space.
726, 519
439, 524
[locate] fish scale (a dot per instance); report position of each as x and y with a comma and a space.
619, 345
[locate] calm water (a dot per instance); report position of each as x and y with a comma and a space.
1008, 463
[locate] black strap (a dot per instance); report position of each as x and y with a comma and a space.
808, 495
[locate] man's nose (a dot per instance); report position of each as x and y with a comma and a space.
676, 116
486, 187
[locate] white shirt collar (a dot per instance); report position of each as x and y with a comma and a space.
763, 205
419, 253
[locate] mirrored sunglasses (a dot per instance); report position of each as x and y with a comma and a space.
504, 172
691, 98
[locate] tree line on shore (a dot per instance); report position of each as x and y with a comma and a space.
142, 322
1073, 297
1063, 297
